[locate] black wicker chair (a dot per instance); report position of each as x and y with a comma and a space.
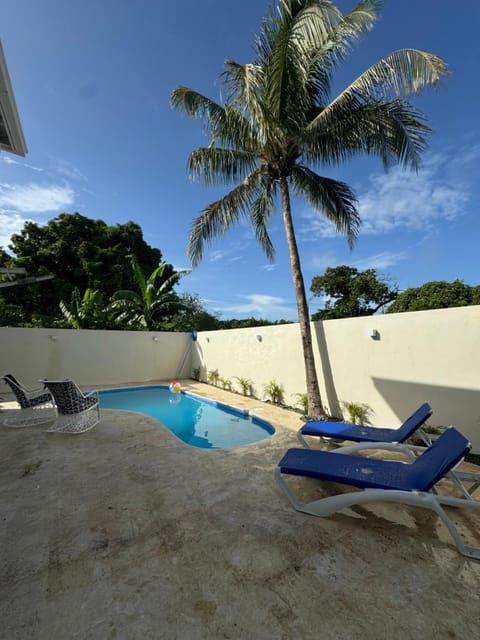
76, 411
36, 405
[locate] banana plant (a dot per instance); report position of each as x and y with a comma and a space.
87, 312
149, 307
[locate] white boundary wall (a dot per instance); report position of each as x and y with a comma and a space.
431, 356
93, 358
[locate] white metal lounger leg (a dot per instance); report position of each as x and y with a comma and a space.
331, 504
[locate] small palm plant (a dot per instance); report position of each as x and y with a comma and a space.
274, 391
302, 403
357, 412
213, 377
246, 385
225, 382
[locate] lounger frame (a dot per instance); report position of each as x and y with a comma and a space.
428, 499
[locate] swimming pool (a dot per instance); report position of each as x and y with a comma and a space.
197, 421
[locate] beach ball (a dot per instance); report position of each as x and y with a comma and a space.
175, 387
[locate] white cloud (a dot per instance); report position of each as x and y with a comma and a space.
381, 260
414, 202
261, 306
214, 256
181, 268
10, 223
9, 160
405, 200
268, 267
69, 170
35, 198
378, 261
18, 200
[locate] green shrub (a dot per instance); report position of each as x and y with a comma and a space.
213, 376
357, 412
303, 403
225, 382
246, 385
274, 391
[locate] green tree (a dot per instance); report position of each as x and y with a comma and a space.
278, 123
243, 323
438, 294
153, 304
11, 315
192, 315
351, 293
81, 253
4, 258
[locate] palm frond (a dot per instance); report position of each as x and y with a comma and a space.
277, 54
214, 165
218, 217
243, 83
245, 88
394, 130
332, 50
260, 215
288, 48
224, 124
334, 199
358, 22
198, 107
400, 74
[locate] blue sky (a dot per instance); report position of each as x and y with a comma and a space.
92, 81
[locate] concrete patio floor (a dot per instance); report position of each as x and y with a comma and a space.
126, 532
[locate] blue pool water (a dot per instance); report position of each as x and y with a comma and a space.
197, 421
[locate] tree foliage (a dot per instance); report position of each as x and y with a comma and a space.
351, 293
437, 294
192, 315
278, 124
82, 253
242, 323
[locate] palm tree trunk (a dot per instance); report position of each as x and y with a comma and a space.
315, 406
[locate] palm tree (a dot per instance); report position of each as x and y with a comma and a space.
143, 309
278, 123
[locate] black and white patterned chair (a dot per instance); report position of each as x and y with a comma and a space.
36, 405
76, 411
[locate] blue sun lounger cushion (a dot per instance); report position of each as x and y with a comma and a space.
362, 433
363, 472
